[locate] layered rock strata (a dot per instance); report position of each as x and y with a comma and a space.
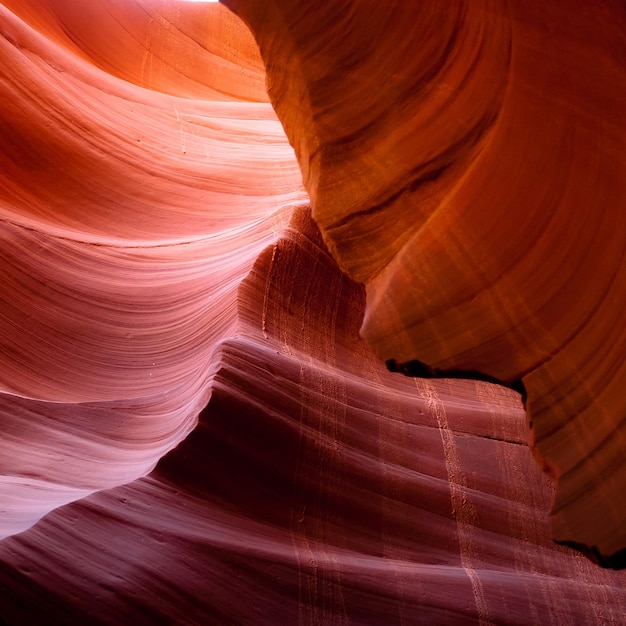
317, 488
468, 166
180, 358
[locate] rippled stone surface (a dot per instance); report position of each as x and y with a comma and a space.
180, 359
130, 213
468, 166
317, 488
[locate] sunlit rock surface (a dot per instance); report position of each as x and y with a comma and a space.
158, 254
468, 165
129, 217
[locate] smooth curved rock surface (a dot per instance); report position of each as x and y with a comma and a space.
317, 488
127, 225
158, 261
468, 165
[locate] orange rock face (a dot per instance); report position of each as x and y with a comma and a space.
468, 166
185, 367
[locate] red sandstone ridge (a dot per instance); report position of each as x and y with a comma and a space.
468, 166
185, 398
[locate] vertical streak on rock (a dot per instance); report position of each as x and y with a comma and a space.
147, 57
516, 490
532, 493
321, 418
597, 596
323, 401
462, 508
307, 565
180, 121
268, 284
391, 430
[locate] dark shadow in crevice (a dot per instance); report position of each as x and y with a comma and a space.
615, 561
418, 369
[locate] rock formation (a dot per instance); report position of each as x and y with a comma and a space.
468, 166
182, 363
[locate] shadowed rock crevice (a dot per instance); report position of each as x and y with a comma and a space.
417, 369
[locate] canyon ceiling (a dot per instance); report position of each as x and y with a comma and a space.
228, 230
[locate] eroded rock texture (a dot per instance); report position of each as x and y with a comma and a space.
317, 488
468, 165
130, 213
159, 261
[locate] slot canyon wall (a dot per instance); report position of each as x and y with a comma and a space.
210, 249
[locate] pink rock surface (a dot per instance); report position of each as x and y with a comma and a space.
127, 225
158, 263
317, 488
